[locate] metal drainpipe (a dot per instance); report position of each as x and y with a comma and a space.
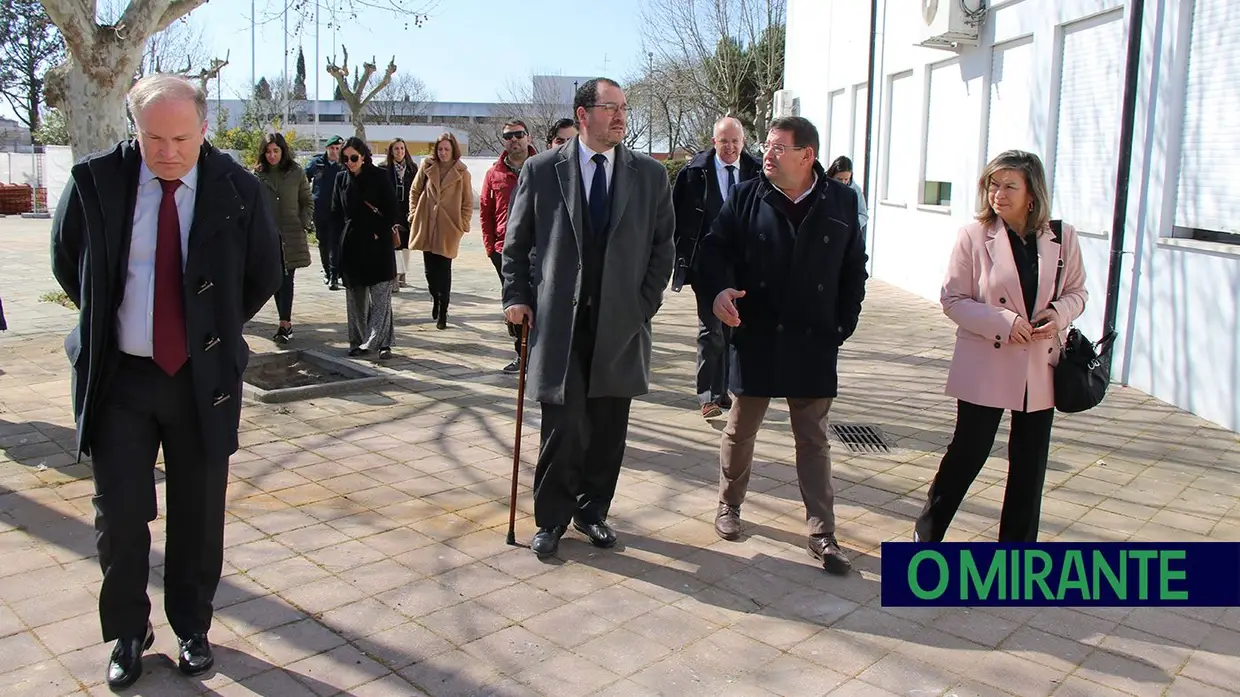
1127, 124
869, 102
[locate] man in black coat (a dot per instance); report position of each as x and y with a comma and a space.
322, 170
701, 188
786, 265
167, 247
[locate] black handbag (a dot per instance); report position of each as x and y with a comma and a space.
1083, 373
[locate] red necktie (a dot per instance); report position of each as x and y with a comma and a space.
170, 349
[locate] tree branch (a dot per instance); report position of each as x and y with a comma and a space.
76, 21
387, 78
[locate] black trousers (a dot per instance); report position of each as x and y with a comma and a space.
329, 247
438, 278
582, 446
284, 297
497, 259
712, 352
143, 409
1028, 449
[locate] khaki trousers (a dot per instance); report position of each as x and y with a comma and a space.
813, 455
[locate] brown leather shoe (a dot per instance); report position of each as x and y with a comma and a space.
710, 410
728, 521
827, 550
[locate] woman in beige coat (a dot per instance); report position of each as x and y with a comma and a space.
441, 202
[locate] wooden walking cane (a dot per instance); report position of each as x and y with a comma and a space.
516, 446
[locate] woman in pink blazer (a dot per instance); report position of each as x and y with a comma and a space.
1000, 293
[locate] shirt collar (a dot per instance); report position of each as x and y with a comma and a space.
189, 181
812, 185
586, 154
722, 166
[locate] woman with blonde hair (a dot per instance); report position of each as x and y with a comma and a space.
441, 203
1012, 319
400, 169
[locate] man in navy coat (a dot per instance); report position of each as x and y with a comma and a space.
166, 246
786, 265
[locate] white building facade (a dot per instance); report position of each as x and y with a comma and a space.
1048, 76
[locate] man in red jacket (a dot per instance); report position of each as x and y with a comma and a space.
498, 186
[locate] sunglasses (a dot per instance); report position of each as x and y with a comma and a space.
354, 157
509, 135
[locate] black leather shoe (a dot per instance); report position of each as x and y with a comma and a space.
827, 550
546, 541
195, 655
600, 533
125, 666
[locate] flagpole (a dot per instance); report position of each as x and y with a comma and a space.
288, 93
253, 63
317, 64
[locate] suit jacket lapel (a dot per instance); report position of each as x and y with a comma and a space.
568, 170
622, 183
1003, 265
1048, 264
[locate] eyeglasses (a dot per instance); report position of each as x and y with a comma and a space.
354, 157
778, 148
509, 135
610, 107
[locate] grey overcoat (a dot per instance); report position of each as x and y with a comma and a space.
546, 215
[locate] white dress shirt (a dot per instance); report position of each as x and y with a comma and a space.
805, 193
137, 311
721, 174
586, 155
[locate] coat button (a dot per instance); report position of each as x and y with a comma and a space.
779, 327
761, 284
819, 287
1003, 300
574, 302
578, 266
826, 239
996, 344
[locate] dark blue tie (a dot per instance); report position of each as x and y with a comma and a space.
598, 195
731, 180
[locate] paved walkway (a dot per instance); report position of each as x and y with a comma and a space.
366, 550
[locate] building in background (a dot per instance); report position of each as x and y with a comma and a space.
1048, 76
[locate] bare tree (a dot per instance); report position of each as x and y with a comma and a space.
732, 52
104, 54
181, 48
356, 95
534, 100
404, 100
265, 108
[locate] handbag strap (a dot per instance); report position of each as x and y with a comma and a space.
1057, 229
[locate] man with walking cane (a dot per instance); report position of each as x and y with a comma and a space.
590, 205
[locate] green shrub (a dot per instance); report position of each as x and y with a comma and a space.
673, 168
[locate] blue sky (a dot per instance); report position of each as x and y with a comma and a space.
468, 51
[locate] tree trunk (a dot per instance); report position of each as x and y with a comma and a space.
94, 105
89, 88
359, 124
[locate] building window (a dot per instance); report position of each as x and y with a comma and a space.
1087, 137
947, 101
837, 124
1208, 199
861, 101
902, 135
1011, 86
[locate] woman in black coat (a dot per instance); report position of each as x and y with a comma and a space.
400, 170
365, 210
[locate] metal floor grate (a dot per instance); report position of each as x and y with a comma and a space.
861, 438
